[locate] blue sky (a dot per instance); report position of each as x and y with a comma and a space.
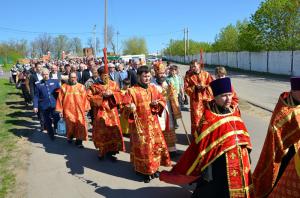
157, 21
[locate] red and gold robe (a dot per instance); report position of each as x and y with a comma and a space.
107, 135
283, 132
148, 146
217, 135
72, 101
167, 119
289, 183
197, 97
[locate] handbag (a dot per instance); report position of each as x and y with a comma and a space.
61, 127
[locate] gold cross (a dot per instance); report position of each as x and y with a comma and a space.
232, 156
234, 173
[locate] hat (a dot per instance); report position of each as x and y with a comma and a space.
159, 67
295, 83
221, 86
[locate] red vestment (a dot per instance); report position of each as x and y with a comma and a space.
72, 101
197, 96
148, 146
289, 183
107, 135
283, 132
217, 135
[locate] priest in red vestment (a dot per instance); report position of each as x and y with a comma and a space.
218, 158
196, 86
281, 144
104, 97
148, 147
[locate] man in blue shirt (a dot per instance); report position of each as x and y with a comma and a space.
45, 101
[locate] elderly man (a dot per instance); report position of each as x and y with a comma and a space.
93, 79
218, 158
72, 103
123, 74
79, 72
278, 169
45, 101
55, 74
114, 75
167, 118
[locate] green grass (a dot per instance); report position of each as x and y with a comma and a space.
8, 141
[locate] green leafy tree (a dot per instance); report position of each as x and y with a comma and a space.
227, 39
135, 45
276, 24
176, 47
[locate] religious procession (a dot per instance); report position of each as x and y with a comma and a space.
115, 99
150, 99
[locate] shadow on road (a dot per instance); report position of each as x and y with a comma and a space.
146, 192
79, 159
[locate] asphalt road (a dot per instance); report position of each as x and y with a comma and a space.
259, 90
58, 169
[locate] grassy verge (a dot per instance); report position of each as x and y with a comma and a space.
8, 141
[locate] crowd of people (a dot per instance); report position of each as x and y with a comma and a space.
144, 103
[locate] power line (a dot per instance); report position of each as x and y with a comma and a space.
81, 33
36, 32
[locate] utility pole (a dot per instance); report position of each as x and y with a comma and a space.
95, 41
105, 24
118, 42
184, 36
188, 41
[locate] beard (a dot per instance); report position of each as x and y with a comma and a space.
72, 83
160, 80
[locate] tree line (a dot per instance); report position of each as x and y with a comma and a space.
274, 26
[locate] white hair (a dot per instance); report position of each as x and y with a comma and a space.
45, 70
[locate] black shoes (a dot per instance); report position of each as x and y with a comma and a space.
100, 158
173, 154
156, 174
147, 178
111, 156
78, 143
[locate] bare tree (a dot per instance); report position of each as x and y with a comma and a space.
61, 43
90, 43
33, 49
43, 44
75, 46
110, 38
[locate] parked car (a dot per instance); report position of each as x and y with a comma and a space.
152, 59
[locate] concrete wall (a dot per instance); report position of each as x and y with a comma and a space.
296, 63
215, 58
244, 60
276, 62
207, 58
259, 61
232, 59
223, 58
280, 62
